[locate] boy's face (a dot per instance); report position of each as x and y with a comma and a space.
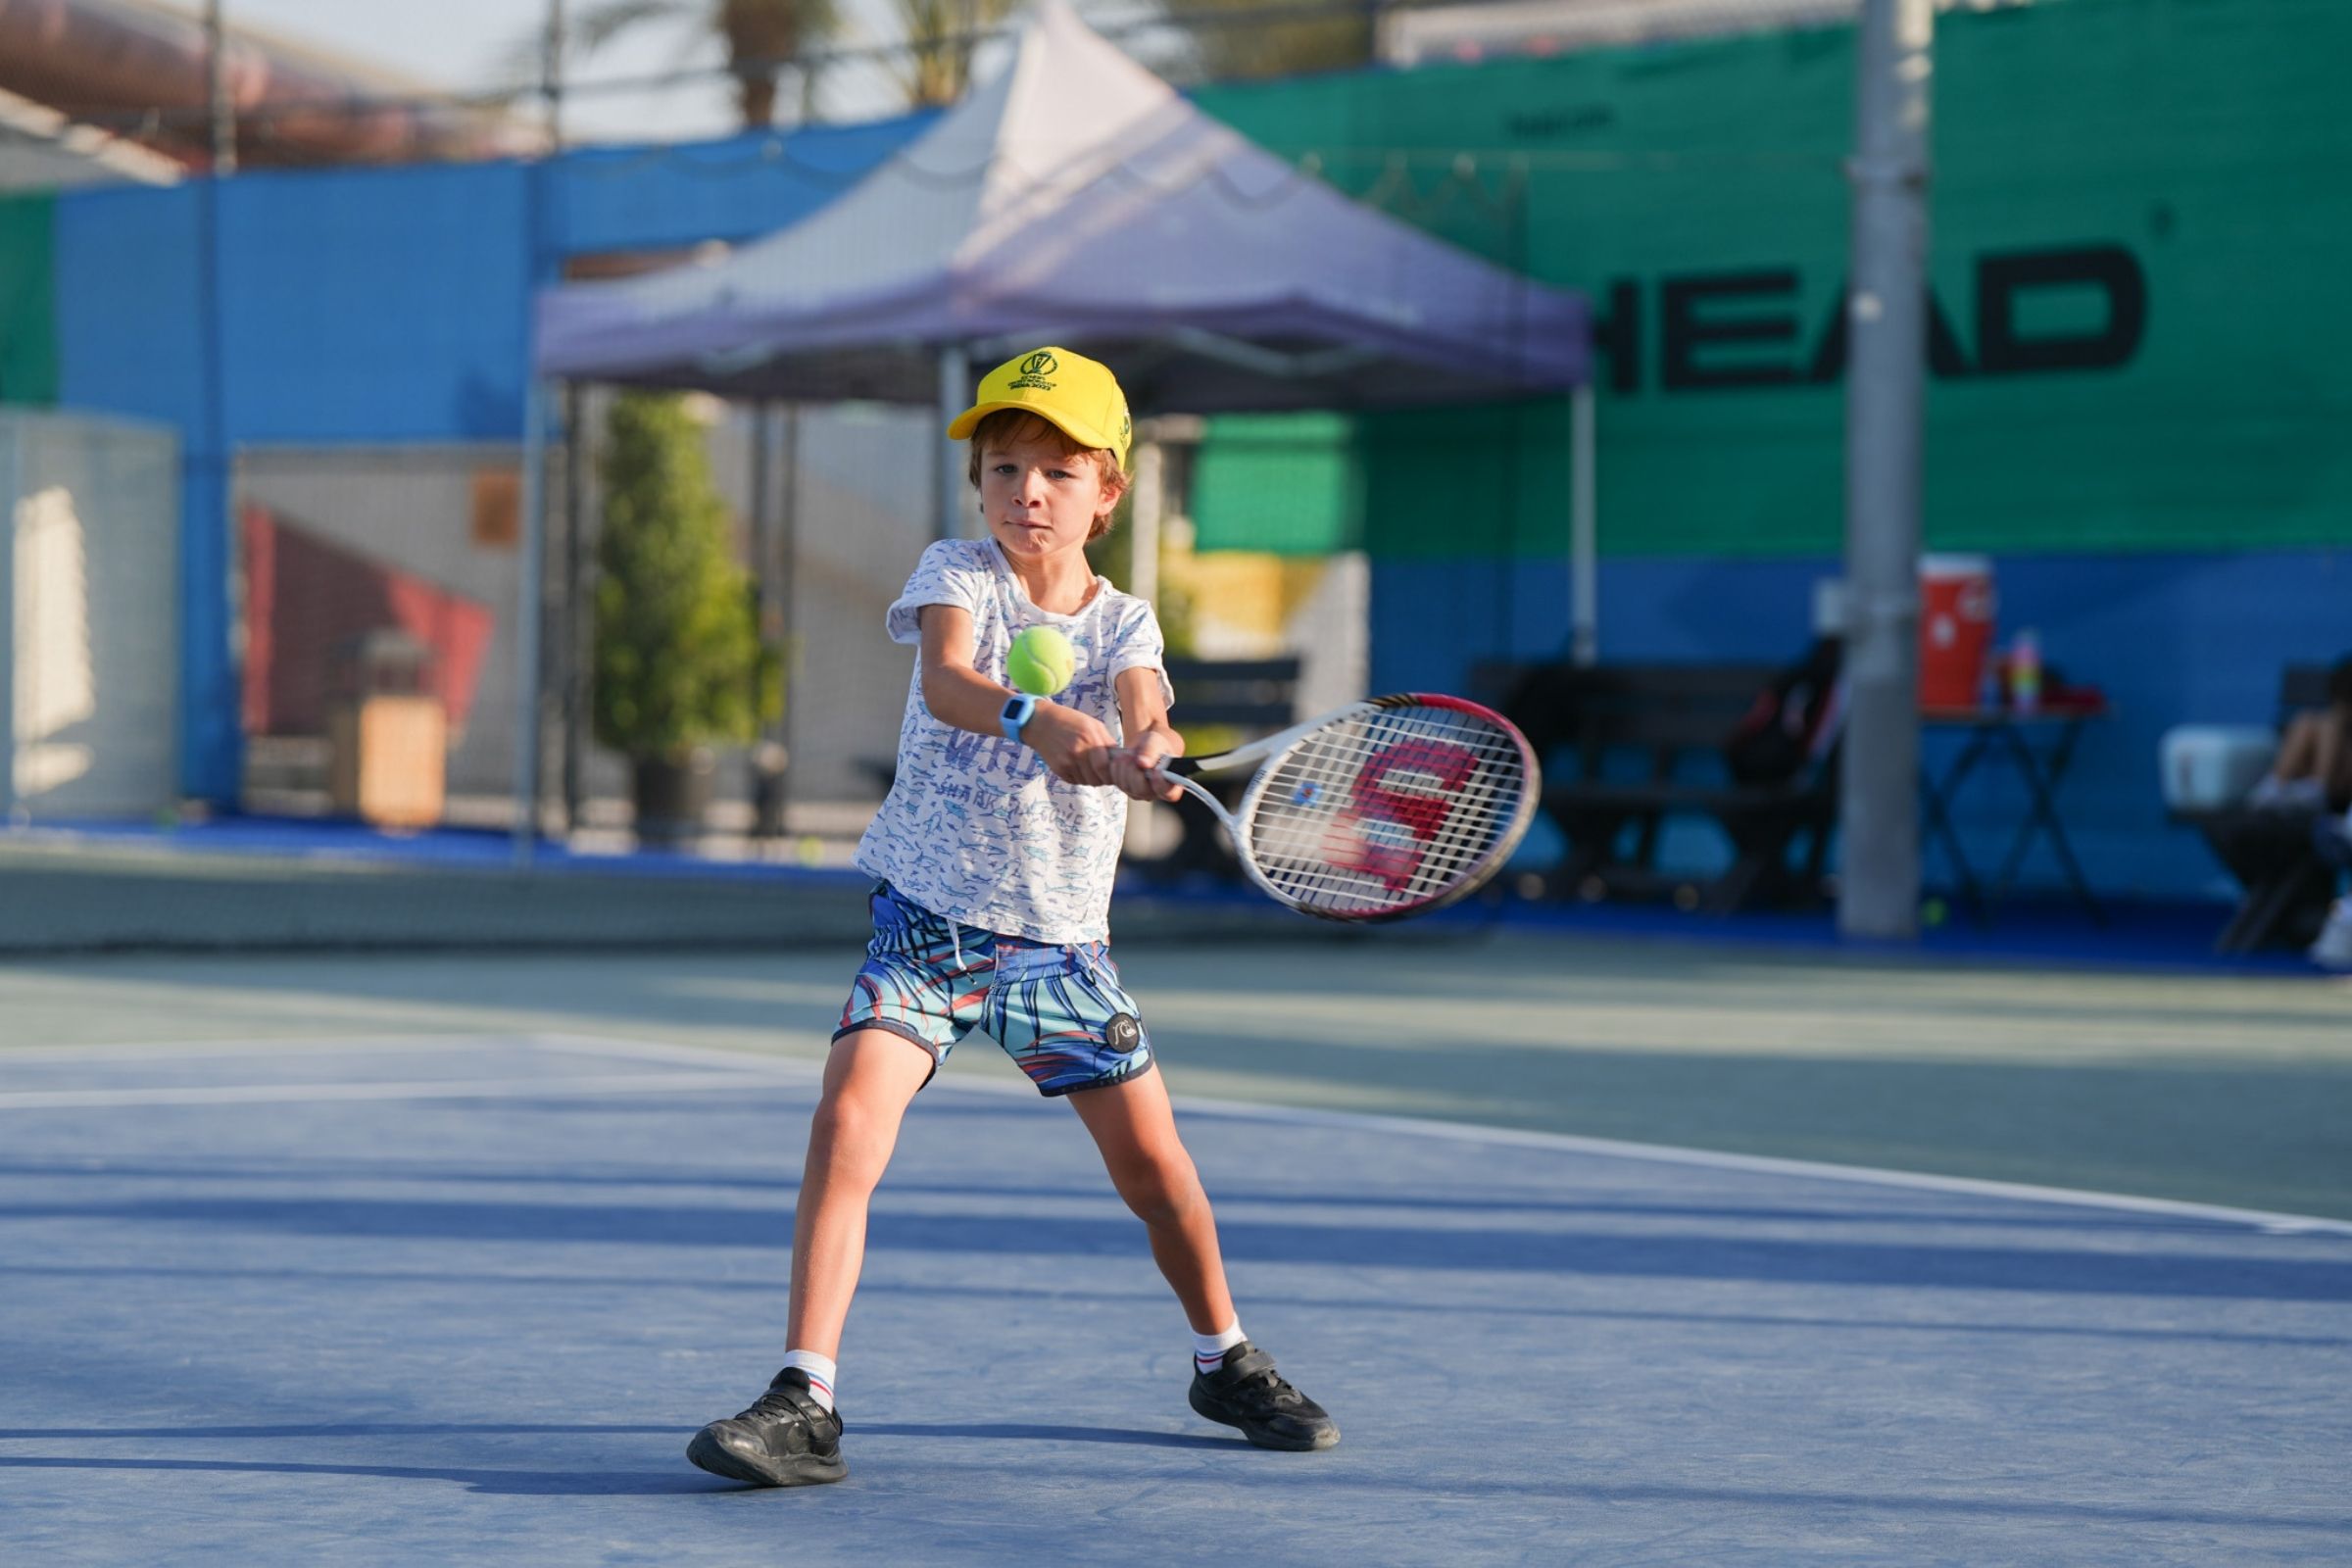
1040, 497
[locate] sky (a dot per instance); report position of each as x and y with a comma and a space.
470, 44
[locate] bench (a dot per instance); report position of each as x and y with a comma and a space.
2272, 853
1255, 696
1627, 748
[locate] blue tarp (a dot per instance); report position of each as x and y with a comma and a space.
363, 305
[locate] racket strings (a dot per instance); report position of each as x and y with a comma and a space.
1388, 809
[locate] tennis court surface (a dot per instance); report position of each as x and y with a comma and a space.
464, 1299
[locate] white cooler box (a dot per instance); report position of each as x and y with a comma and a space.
2207, 766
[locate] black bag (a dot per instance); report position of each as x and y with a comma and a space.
1793, 722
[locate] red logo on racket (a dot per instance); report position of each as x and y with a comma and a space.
1404, 798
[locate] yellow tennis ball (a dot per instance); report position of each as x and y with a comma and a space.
1041, 661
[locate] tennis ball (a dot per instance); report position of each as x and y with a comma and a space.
1041, 661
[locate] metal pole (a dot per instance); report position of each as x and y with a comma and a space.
788, 546
1584, 531
1885, 397
572, 636
955, 395
216, 88
211, 720
550, 74
530, 695
11, 478
1144, 517
763, 772
528, 594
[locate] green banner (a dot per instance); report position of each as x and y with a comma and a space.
1282, 483
2140, 230
27, 303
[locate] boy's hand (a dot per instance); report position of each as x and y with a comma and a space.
1075, 745
1131, 768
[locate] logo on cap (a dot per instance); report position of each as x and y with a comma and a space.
1034, 369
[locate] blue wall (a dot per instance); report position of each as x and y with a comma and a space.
390, 306
2172, 639
371, 305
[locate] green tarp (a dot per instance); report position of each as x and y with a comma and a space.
2141, 224
27, 303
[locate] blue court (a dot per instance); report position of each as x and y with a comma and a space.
464, 1300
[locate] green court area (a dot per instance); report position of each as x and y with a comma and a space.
2229, 1091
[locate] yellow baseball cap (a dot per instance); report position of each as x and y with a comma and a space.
1077, 395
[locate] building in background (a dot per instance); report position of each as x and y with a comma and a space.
42, 150
1499, 29
137, 71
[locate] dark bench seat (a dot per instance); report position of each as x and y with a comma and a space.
1253, 695
1627, 748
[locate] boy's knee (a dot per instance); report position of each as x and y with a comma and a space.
1161, 1188
847, 1130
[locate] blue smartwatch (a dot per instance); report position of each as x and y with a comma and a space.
1016, 713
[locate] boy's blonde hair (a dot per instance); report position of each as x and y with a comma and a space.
1007, 425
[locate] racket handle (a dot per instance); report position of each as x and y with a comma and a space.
1180, 766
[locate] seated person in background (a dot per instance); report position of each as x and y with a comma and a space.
2314, 768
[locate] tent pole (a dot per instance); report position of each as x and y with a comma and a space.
787, 563
1150, 503
1584, 531
11, 477
955, 395
573, 635
528, 592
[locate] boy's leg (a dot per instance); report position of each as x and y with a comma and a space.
1135, 1128
791, 1435
870, 1078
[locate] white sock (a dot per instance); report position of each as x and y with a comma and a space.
820, 1370
1208, 1349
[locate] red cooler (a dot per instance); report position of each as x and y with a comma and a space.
1956, 628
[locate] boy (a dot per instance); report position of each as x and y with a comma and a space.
995, 849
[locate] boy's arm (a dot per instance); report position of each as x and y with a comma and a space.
1150, 738
1075, 746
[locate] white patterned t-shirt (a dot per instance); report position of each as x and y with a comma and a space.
976, 828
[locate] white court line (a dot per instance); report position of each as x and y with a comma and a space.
749, 1069
163, 1051
657, 1051
1618, 1149
713, 1070
633, 1083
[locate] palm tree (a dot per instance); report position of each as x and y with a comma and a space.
1243, 48
761, 35
938, 36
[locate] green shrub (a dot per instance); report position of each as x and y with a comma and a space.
678, 662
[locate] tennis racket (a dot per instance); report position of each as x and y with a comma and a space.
1384, 809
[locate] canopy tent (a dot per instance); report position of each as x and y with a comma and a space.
1079, 199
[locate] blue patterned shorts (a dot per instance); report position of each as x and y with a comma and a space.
1059, 1012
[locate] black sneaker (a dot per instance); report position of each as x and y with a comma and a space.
1247, 1392
786, 1438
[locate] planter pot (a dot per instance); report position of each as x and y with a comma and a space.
673, 796
767, 790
